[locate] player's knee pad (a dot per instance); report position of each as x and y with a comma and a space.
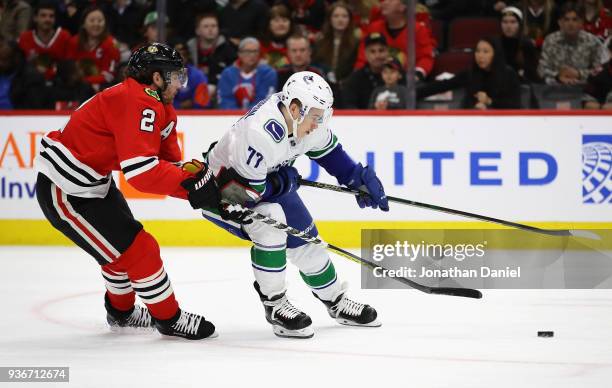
266, 236
143, 252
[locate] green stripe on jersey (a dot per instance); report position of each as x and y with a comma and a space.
269, 259
259, 188
321, 278
326, 150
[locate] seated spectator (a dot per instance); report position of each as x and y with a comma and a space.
183, 15
274, 41
246, 82
520, 53
208, 50
597, 19
195, 94
14, 18
94, 48
299, 52
358, 87
364, 12
337, 48
242, 18
599, 87
308, 15
395, 29
570, 55
124, 19
392, 95
539, 19
22, 86
150, 28
489, 84
69, 89
45, 44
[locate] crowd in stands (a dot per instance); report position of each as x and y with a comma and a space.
470, 54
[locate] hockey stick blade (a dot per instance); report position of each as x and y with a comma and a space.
550, 232
467, 293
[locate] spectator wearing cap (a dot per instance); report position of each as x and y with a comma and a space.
149, 25
519, 51
599, 87
358, 88
394, 27
14, 18
300, 54
391, 95
571, 54
45, 44
94, 48
489, 84
242, 18
246, 82
209, 50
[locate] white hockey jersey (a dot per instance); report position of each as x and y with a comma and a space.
259, 143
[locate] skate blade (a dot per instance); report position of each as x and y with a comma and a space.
280, 331
167, 337
132, 330
346, 322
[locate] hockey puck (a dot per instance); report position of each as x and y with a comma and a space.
546, 334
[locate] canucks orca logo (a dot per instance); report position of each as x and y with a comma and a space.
597, 168
275, 129
308, 79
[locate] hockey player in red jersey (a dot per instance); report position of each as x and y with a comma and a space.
129, 127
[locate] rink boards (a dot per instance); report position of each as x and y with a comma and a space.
551, 170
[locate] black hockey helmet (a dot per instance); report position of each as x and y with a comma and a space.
155, 57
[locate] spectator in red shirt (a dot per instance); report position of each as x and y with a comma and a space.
274, 41
394, 28
45, 44
94, 48
598, 19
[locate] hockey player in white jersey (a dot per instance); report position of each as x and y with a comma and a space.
252, 163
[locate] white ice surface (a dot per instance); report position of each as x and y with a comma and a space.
52, 315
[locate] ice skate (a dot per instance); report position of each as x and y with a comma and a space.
186, 325
348, 312
287, 321
136, 318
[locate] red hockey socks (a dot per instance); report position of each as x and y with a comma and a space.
145, 270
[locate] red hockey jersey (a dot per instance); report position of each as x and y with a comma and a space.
103, 59
125, 127
56, 49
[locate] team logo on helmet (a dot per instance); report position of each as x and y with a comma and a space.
152, 49
308, 79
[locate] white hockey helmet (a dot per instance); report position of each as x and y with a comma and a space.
312, 91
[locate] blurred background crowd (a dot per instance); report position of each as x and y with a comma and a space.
469, 54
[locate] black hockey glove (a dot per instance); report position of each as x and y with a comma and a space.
202, 188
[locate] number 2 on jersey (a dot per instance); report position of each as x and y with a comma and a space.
253, 152
146, 123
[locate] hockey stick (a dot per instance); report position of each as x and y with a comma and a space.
550, 232
464, 292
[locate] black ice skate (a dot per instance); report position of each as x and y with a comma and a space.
136, 318
286, 320
348, 312
186, 325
